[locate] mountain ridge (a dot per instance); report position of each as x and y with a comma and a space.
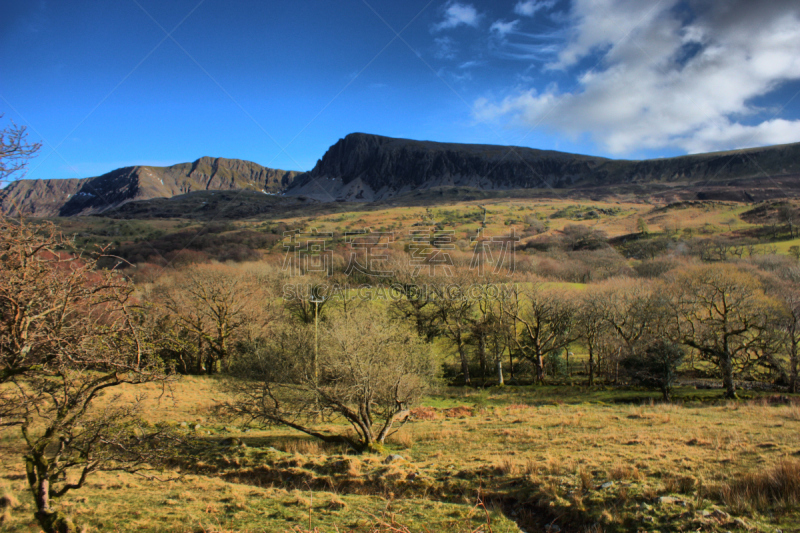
43, 198
363, 167
356, 168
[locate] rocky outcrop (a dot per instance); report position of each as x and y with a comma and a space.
47, 198
364, 167
39, 198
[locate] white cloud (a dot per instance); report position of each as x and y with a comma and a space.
456, 14
665, 79
728, 134
530, 7
503, 28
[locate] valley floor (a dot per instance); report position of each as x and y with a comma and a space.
559, 458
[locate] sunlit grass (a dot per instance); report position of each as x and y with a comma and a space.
585, 455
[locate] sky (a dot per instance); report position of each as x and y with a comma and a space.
145, 82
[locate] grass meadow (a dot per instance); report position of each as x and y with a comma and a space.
502, 459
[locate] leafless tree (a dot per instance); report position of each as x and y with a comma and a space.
547, 321
69, 333
414, 302
454, 315
724, 314
308, 304
785, 290
15, 151
792, 300
368, 371
630, 309
212, 303
592, 325
787, 214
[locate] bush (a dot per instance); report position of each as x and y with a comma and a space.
578, 237
655, 368
555, 365
657, 267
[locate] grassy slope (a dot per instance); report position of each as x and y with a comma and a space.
463, 218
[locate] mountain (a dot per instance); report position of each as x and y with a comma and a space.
371, 168
364, 167
45, 198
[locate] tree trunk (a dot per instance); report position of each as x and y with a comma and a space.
726, 366
401, 415
500, 372
201, 369
666, 393
540, 368
464, 363
211, 364
482, 355
591, 365
51, 521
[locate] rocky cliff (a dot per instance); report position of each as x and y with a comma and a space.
364, 167
46, 198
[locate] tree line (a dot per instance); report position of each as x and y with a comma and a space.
739, 320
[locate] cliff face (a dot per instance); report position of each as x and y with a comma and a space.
44, 198
370, 167
367, 168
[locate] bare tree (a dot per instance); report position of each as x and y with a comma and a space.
371, 369
307, 306
454, 313
15, 151
786, 292
725, 315
414, 302
592, 325
787, 215
547, 320
68, 333
486, 329
792, 299
630, 309
212, 303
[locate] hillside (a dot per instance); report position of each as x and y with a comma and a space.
45, 198
367, 168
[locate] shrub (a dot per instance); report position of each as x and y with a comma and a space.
555, 364
656, 367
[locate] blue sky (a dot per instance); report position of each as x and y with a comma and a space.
110, 84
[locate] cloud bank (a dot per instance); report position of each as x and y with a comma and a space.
666, 74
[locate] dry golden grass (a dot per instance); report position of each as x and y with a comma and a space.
762, 490
521, 442
404, 439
